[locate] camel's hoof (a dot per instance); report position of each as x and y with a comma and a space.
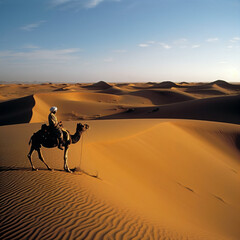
68, 170
34, 169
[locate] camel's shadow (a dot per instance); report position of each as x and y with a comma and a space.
28, 169
5, 169
75, 170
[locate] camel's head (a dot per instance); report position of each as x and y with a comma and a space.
82, 127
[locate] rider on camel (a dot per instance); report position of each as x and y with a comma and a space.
56, 126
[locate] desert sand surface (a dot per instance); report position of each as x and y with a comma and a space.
159, 161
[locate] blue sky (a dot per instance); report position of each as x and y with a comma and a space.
119, 40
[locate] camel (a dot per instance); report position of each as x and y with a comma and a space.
44, 138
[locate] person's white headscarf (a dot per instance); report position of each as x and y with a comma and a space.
53, 109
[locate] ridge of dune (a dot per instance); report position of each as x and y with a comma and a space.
152, 85
158, 179
159, 97
208, 92
223, 85
98, 86
71, 105
81, 105
63, 89
226, 85
220, 109
166, 84
113, 90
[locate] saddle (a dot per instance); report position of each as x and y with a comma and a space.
50, 133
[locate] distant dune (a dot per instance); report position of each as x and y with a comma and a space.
221, 109
225, 84
159, 161
152, 100
99, 86
166, 84
159, 97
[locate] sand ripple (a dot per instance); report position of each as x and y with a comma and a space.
55, 205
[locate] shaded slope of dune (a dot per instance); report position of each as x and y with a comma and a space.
159, 97
113, 90
221, 109
150, 85
165, 84
98, 86
16, 111
226, 85
219, 83
209, 92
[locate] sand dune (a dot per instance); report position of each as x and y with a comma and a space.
159, 97
77, 106
224, 84
102, 100
144, 171
221, 109
154, 181
98, 86
113, 90
166, 84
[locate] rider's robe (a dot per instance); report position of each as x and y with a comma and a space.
54, 124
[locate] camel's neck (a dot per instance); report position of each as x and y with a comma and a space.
76, 137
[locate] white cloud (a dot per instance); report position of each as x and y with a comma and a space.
147, 44
143, 45
79, 3
32, 26
41, 55
93, 3
235, 39
196, 46
212, 40
164, 45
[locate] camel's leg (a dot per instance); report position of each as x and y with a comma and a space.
30, 158
42, 159
66, 168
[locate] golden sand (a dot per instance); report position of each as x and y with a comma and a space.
160, 161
